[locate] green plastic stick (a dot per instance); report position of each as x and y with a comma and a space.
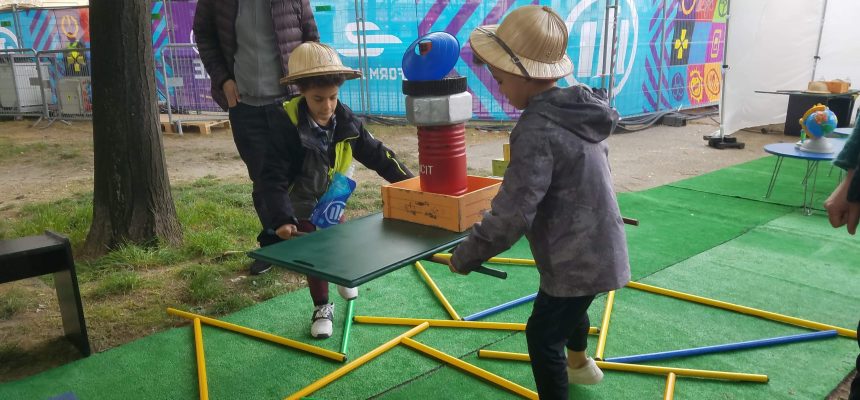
347, 325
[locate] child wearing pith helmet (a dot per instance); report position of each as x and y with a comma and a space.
322, 138
557, 191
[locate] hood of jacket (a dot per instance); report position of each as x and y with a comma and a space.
580, 110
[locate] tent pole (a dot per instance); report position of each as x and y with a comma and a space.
818, 45
722, 132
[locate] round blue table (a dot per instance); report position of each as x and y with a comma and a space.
790, 150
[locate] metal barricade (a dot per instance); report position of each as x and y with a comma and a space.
187, 87
68, 88
22, 80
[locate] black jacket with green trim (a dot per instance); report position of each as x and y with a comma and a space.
296, 171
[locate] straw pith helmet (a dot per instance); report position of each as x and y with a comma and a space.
530, 42
314, 59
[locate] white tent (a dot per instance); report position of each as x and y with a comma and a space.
772, 45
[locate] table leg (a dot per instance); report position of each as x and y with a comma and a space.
811, 171
71, 310
773, 176
812, 193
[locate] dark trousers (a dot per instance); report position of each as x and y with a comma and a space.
556, 323
855, 385
318, 287
253, 126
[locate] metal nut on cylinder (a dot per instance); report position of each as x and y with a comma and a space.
439, 110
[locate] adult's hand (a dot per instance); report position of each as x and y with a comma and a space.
232, 92
839, 210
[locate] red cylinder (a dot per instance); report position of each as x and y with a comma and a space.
442, 159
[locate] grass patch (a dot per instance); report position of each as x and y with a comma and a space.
117, 283
204, 283
8, 149
12, 302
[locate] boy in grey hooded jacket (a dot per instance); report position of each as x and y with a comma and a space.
557, 191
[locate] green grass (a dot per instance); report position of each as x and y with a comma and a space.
49, 153
12, 302
116, 283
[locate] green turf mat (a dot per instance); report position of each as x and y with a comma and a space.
678, 223
774, 267
750, 181
792, 264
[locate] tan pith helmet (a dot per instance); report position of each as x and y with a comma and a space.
530, 42
315, 59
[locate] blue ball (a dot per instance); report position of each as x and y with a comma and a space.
435, 63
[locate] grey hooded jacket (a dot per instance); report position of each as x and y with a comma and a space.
558, 191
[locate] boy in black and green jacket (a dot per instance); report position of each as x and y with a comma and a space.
322, 139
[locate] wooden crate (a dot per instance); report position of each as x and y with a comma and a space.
499, 167
200, 126
838, 86
405, 201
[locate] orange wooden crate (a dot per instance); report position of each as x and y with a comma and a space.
838, 86
405, 201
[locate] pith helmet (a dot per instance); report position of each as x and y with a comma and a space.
315, 59
530, 42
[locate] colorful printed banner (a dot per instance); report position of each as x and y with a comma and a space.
669, 51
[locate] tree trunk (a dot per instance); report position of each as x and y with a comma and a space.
132, 202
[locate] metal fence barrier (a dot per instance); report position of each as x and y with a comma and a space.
187, 87
68, 91
22, 79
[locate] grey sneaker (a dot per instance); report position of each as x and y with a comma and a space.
321, 326
588, 374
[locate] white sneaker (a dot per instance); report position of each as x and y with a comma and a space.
348, 293
588, 374
321, 327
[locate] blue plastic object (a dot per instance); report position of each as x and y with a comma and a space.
723, 347
431, 57
501, 307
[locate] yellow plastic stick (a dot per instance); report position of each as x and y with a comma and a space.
481, 373
260, 335
744, 310
495, 260
356, 363
645, 369
436, 291
604, 327
670, 387
444, 323
201, 360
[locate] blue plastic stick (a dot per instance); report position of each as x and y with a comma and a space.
723, 347
500, 307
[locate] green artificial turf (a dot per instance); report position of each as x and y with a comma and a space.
732, 248
750, 181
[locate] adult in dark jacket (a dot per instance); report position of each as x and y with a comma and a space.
843, 208
245, 46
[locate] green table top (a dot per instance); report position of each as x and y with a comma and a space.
359, 250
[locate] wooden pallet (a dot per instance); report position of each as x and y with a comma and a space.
202, 127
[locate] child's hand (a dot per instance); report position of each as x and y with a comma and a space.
287, 231
454, 269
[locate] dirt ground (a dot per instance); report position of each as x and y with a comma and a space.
640, 160
57, 162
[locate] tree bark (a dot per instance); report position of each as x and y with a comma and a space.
132, 202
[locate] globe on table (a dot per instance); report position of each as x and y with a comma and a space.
817, 123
